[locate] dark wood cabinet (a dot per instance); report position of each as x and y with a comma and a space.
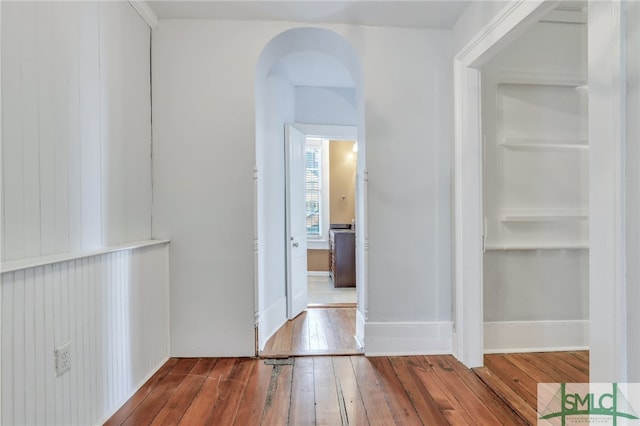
342, 244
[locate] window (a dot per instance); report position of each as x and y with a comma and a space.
313, 187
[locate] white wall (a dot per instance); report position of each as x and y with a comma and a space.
536, 285
76, 127
408, 127
326, 105
204, 155
114, 310
204, 73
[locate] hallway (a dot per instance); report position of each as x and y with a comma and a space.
316, 331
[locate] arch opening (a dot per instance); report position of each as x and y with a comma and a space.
311, 77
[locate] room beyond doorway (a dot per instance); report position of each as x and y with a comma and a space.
322, 293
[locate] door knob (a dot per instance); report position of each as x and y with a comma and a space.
295, 244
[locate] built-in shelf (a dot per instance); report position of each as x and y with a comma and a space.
537, 78
543, 215
543, 218
536, 246
544, 144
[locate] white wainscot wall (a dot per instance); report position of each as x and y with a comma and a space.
536, 300
112, 307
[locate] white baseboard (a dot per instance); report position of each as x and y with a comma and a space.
271, 320
318, 273
454, 344
408, 338
535, 336
359, 329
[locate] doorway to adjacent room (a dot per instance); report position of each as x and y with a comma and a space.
287, 97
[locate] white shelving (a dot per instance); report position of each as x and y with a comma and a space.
543, 144
543, 215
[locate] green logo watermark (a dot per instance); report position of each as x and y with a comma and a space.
588, 403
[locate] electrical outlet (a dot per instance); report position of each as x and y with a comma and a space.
63, 358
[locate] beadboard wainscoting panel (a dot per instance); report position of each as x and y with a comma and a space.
112, 309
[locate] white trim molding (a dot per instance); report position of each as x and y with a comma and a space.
408, 338
333, 132
360, 324
271, 319
535, 336
2, 243
145, 12
318, 273
512, 21
607, 191
632, 194
34, 262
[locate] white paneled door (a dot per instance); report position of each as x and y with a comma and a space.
296, 229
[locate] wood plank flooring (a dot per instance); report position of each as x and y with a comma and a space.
341, 390
316, 331
514, 377
348, 390
345, 390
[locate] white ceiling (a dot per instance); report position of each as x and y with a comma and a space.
409, 14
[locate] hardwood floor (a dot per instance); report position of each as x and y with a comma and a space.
347, 390
514, 377
355, 390
316, 331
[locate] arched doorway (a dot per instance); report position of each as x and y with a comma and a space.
276, 107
